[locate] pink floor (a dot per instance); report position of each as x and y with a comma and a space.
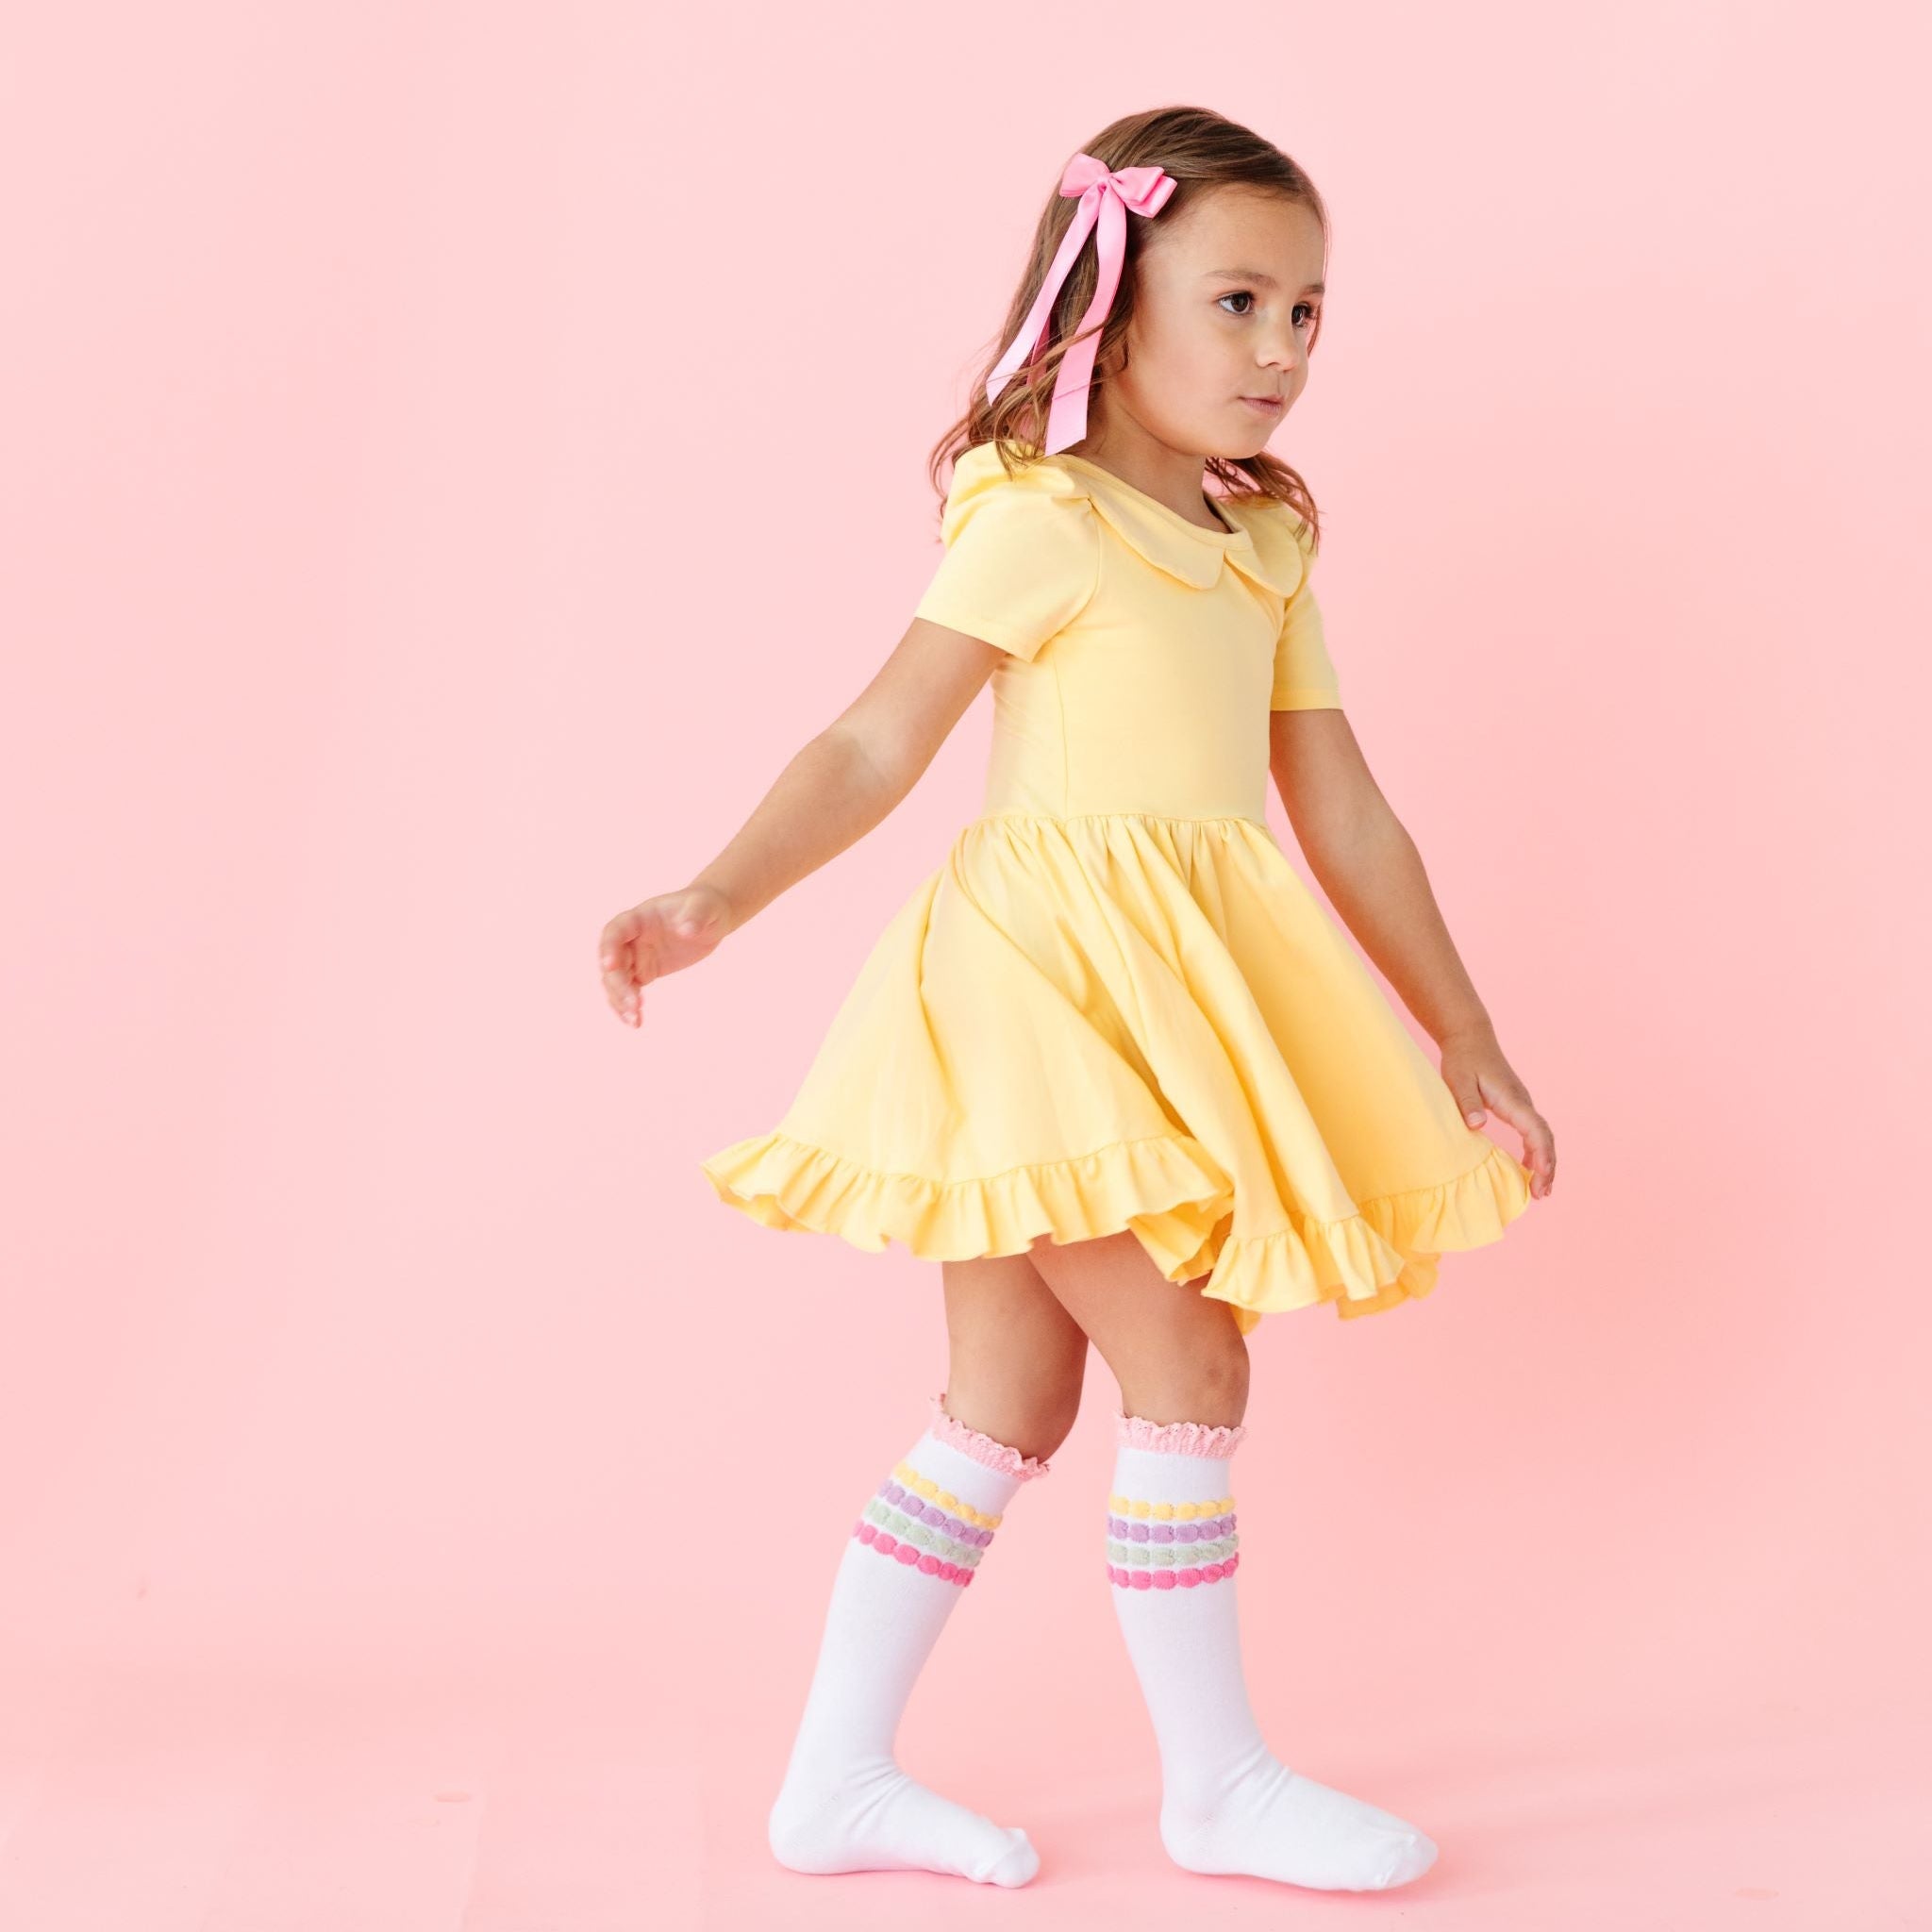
149, 1798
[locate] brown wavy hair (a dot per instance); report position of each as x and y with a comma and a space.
1202, 150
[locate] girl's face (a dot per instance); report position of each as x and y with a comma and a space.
1223, 310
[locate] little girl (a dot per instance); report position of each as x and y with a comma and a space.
1112, 1065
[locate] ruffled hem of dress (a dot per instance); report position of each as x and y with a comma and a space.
1163, 1185
1384, 1255
1165, 1188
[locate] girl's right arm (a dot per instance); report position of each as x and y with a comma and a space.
834, 790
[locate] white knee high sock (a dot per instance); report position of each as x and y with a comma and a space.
917, 1546
1227, 1803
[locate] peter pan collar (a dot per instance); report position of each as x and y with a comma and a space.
1261, 546
1264, 543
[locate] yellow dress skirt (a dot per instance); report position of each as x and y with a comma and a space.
1116, 1005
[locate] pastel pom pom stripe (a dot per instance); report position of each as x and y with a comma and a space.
926, 1487
1170, 1546
916, 1522
1172, 1580
1172, 1555
1169, 1512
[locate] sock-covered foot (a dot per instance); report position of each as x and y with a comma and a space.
1228, 1805
1270, 1822
880, 1820
845, 1805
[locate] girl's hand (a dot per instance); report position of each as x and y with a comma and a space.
1479, 1075
655, 937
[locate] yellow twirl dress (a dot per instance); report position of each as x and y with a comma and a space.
1115, 1004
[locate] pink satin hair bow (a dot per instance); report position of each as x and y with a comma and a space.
1106, 197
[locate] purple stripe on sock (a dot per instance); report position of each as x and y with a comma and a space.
1132, 1530
920, 1510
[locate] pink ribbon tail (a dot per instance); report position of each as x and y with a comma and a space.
1107, 196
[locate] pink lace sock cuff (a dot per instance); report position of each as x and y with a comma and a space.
981, 1447
1176, 1439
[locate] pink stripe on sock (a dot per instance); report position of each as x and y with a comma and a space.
982, 1448
1172, 1580
925, 1561
1176, 1439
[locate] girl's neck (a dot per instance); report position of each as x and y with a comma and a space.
1169, 478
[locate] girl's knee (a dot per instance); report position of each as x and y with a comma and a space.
1207, 1381
1030, 1406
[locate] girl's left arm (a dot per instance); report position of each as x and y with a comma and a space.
1369, 868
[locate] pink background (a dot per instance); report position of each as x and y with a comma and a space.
453, 459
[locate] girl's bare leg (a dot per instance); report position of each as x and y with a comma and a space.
1017, 1357
1228, 1805
920, 1538
1175, 1355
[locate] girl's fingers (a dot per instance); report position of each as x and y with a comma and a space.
1540, 1151
1538, 1145
639, 944
620, 992
1468, 1091
615, 939
616, 958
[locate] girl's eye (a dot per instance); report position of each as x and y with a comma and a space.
1306, 311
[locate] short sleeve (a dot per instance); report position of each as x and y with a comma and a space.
1021, 562
1304, 678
